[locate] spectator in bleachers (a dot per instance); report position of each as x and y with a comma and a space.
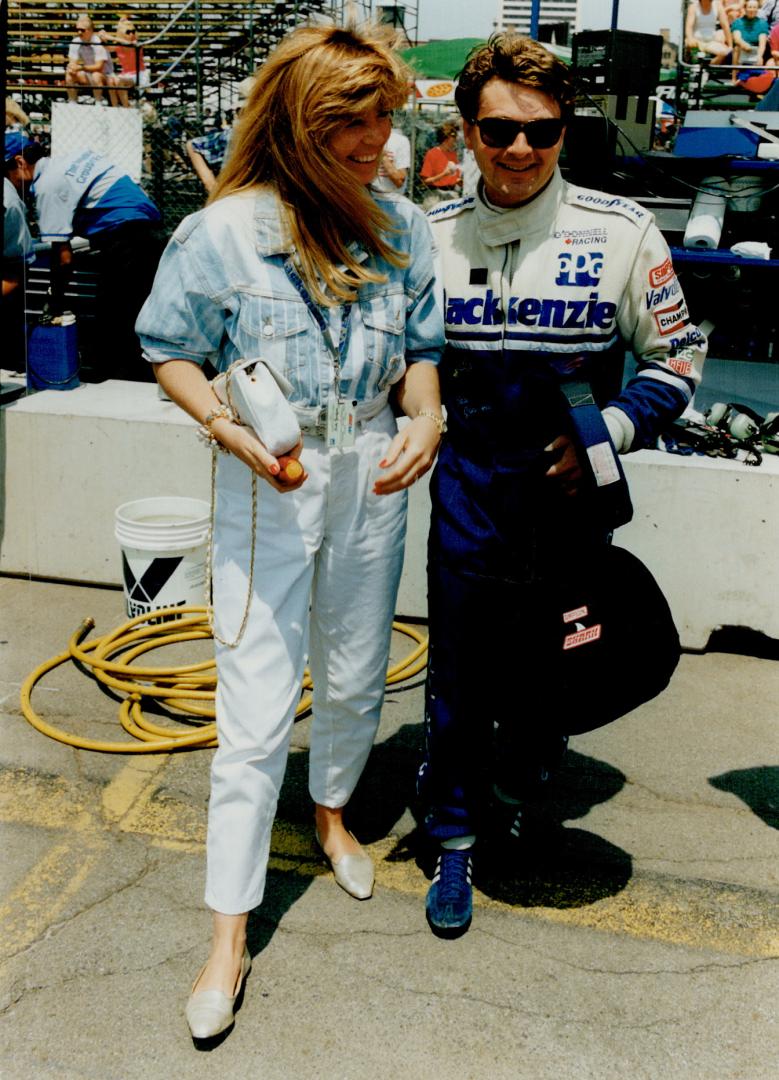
707, 29
773, 45
83, 194
770, 12
395, 163
132, 67
17, 252
207, 152
750, 34
88, 62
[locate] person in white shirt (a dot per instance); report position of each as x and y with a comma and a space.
89, 63
395, 162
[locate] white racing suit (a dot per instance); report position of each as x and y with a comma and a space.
533, 296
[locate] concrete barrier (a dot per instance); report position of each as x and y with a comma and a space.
706, 527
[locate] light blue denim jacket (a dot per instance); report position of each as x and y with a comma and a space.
221, 293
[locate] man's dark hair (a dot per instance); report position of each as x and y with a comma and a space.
33, 153
515, 59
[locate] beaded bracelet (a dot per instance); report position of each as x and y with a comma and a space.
206, 435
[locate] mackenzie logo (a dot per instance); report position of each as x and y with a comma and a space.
531, 311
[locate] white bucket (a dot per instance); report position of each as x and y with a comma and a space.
164, 549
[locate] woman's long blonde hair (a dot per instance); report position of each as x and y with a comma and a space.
315, 80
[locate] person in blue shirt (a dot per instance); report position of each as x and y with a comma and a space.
750, 34
17, 253
297, 261
84, 194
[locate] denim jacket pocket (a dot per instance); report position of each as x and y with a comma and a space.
277, 330
384, 318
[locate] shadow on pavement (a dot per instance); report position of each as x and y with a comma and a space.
757, 787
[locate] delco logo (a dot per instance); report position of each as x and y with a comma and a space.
531, 311
692, 337
583, 269
655, 297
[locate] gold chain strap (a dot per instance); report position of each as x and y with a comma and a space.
210, 554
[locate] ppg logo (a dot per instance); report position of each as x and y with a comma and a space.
580, 268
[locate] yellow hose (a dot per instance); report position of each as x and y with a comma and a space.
188, 689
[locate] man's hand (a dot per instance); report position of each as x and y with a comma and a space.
566, 471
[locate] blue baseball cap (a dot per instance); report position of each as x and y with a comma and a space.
15, 143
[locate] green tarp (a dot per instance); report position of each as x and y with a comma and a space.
445, 59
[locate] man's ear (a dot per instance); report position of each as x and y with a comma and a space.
468, 133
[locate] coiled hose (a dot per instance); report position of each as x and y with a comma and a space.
188, 689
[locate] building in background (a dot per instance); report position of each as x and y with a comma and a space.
557, 18
670, 56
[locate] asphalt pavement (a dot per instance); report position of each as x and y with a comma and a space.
637, 936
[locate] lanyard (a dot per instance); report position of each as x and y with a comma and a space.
339, 351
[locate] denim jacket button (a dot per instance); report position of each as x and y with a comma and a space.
267, 331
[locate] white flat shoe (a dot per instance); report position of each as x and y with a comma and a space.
354, 873
210, 1012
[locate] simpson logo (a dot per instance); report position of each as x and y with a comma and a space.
582, 637
658, 275
577, 613
672, 318
584, 269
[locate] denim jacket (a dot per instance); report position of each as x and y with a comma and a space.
221, 293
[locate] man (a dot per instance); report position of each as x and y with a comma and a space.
207, 152
83, 194
89, 63
17, 252
440, 170
395, 163
544, 285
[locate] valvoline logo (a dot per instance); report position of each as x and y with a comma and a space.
486, 310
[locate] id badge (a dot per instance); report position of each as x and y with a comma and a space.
341, 423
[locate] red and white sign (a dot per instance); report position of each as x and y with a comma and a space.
582, 637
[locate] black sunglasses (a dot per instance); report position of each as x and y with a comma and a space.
498, 133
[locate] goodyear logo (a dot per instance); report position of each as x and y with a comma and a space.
584, 314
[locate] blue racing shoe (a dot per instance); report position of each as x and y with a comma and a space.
449, 904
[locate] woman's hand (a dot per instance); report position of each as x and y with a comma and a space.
410, 455
244, 444
566, 471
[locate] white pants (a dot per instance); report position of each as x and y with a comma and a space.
327, 566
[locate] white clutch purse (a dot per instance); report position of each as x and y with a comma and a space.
258, 394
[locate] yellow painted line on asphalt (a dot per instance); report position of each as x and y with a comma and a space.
697, 914
41, 896
39, 899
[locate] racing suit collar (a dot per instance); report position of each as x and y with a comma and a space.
498, 227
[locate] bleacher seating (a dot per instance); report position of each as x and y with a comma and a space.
192, 47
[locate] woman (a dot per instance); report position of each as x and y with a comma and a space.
295, 261
750, 36
707, 29
133, 71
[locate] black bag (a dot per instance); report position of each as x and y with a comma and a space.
605, 638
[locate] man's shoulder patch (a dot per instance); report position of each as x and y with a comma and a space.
450, 209
604, 202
